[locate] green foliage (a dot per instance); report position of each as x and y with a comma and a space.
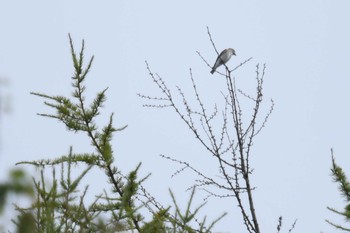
26, 223
59, 204
18, 183
344, 189
181, 221
157, 225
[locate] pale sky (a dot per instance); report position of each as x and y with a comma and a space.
305, 45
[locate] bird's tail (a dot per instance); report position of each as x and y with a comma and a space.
212, 71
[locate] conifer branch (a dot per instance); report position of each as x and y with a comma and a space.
60, 206
340, 178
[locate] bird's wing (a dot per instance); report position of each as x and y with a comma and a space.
219, 60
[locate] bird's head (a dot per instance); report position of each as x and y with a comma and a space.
232, 51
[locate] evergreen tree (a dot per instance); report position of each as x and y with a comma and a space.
59, 203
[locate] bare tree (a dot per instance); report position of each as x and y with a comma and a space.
231, 145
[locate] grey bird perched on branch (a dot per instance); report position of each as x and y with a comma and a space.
224, 57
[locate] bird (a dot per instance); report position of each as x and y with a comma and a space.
224, 57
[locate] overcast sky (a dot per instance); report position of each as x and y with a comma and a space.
305, 45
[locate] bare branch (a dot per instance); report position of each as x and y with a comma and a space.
229, 144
